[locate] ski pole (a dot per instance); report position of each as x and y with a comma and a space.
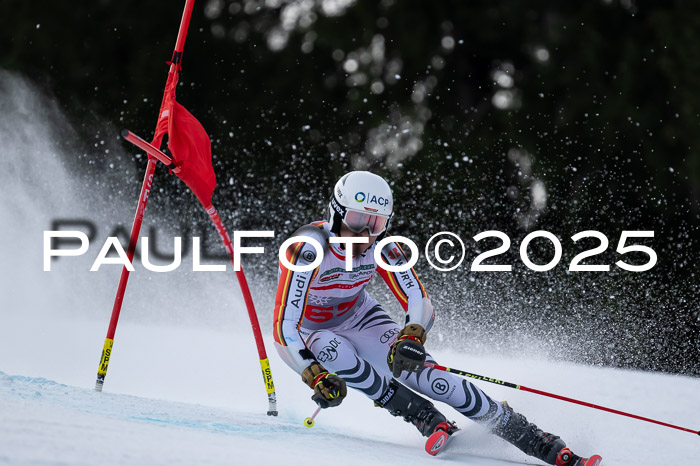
552, 395
309, 421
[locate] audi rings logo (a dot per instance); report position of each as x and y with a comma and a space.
440, 386
389, 335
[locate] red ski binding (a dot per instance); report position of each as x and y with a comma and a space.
564, 458
439, 438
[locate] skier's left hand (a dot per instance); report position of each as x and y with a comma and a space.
329, 389
407, 353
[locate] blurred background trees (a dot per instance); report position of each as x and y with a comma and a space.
517, 116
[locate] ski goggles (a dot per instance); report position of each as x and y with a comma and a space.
357, 222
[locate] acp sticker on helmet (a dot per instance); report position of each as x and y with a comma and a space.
371, 199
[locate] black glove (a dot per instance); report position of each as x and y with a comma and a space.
407, 353
329, 389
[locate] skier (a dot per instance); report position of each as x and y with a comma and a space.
334, 334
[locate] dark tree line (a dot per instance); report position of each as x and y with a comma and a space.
516, 116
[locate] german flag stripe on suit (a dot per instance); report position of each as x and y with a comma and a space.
283, 291
392, 278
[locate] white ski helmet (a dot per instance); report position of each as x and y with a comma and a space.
362, 201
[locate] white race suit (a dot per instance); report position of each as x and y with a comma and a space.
325, 314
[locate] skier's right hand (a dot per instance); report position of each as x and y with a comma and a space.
407, 353
329, 389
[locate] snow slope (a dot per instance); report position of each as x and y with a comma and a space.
184, 384
195, 396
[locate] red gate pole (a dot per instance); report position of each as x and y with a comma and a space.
138, 219
124, 278
247, 297
252, 315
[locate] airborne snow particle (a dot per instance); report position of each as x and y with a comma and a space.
542, 54
448, 43
538, 192
502, 99
350, 65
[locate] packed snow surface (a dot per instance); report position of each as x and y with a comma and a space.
184, 383
195, 396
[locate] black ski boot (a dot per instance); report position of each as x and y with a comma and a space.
514, 428
401, 401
